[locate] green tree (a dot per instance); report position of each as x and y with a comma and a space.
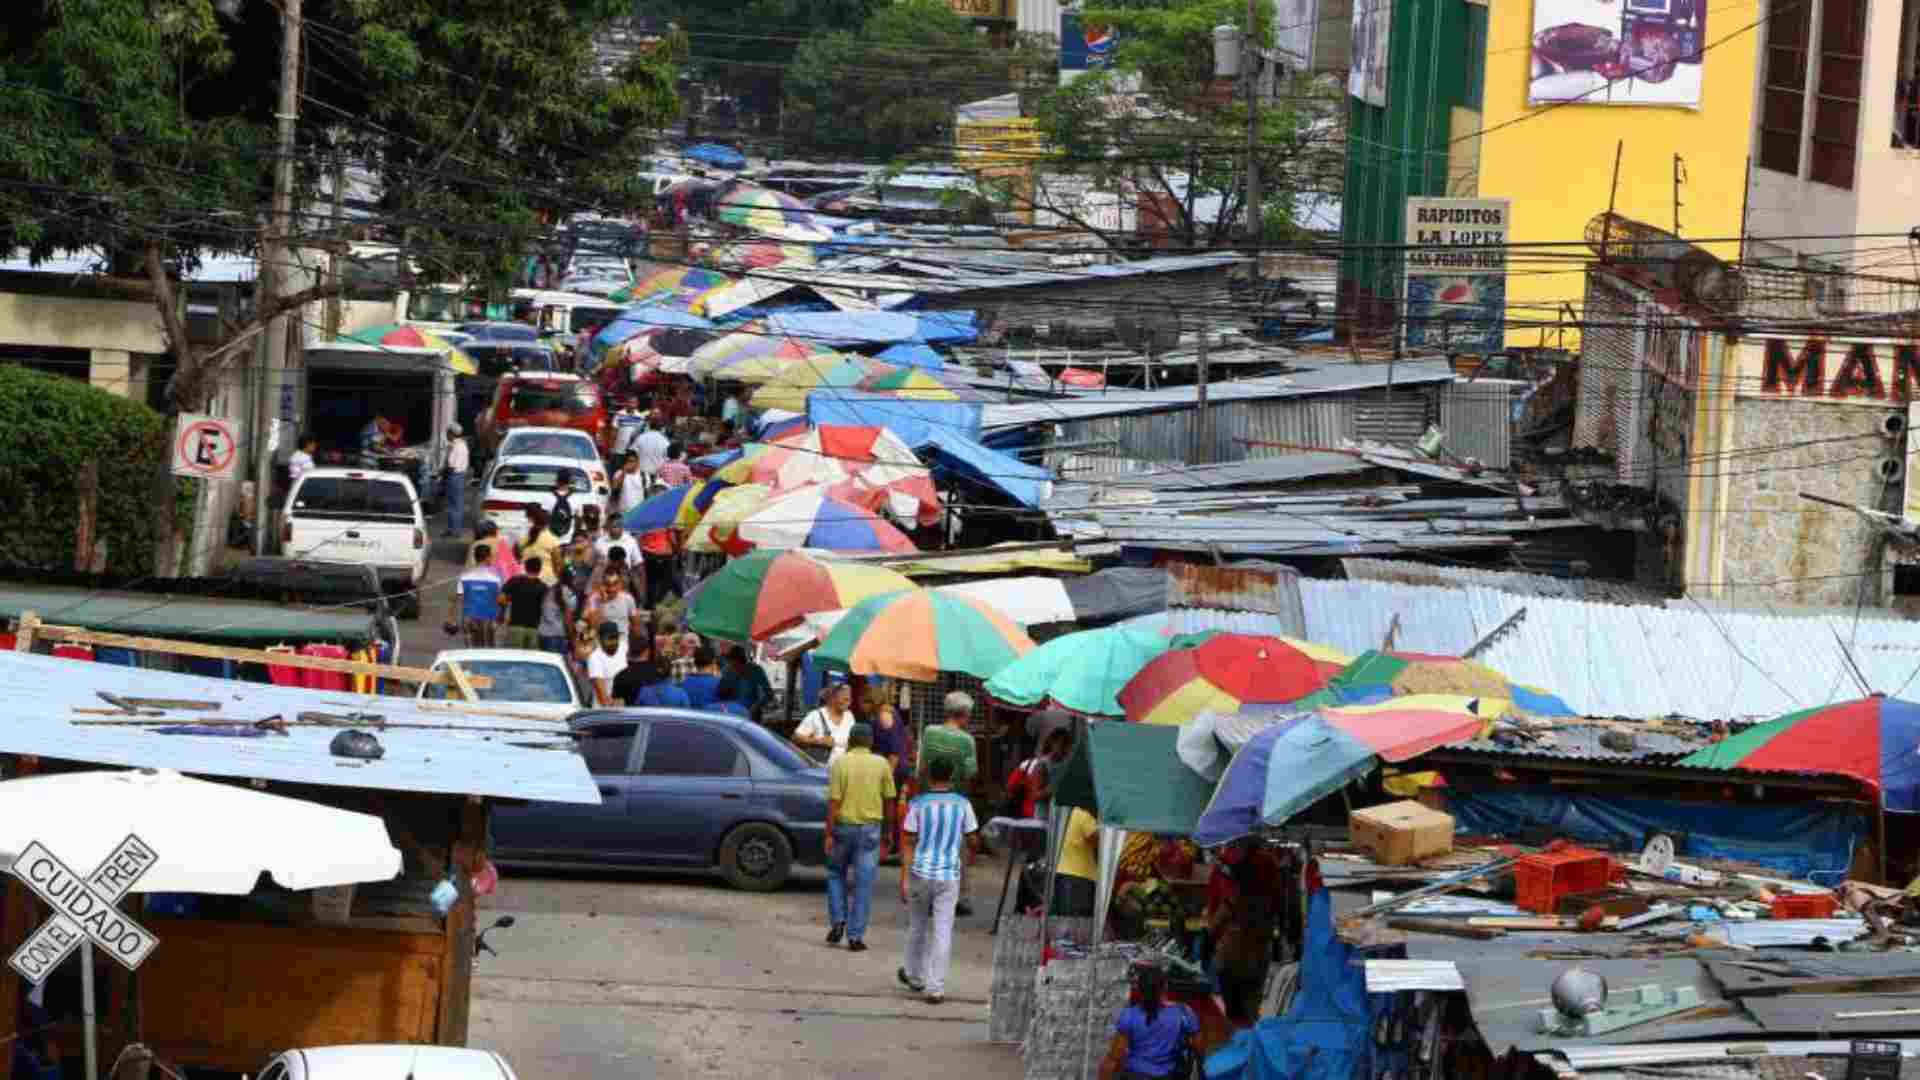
1158, 124
890, 89
144, 128
745, 46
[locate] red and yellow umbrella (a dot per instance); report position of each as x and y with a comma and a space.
408, 336
1225, 672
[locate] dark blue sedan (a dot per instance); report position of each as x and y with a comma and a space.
678, 788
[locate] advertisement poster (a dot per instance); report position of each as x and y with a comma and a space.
1618, 52
1367, 78
1084, 47
1456, 266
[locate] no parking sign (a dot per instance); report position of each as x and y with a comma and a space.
206, 446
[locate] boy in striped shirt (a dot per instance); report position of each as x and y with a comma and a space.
939, 827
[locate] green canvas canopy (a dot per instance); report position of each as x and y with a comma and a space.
1130, 776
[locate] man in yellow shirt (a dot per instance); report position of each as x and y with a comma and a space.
859, 792
541, 541
1078, 867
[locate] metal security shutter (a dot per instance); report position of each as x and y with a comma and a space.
1478, 419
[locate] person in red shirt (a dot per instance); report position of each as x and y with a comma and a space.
1243, 898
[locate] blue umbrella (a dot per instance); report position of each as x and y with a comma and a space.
658, 511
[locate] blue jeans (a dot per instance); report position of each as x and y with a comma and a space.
456, 503
856, 855
554, 643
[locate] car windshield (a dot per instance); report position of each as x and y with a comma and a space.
584, 317
514, 680
524, 477
351, 495
495, 359
546, 444
554, 397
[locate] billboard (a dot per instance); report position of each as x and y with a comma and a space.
1617, 52
1372, 26
1456, 265
1084, 47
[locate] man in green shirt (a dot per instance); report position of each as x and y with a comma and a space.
950, 741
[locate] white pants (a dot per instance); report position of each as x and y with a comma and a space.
930, 930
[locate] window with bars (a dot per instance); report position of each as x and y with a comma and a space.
1783, 99
1836, 106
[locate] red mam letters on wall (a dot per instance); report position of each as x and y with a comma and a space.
1802, 371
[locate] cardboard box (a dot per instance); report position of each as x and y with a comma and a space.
1401, 833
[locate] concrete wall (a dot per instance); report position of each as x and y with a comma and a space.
68, 322
1779, 547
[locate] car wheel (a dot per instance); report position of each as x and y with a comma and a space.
756, 857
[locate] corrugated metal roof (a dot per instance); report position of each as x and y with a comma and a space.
1582, 742
1405, 572
1200, 620
1612, 660
1241, 587
1252, 472
1331, 379
473, 756
1439, 525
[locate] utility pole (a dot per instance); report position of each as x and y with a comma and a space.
274, 254
1201, 435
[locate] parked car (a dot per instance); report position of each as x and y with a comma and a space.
334, 585
515, 484
392, 1062
361, 517
545, 400
532, 682
679, 788
560, 443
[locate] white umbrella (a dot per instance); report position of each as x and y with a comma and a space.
210, 838
206, 838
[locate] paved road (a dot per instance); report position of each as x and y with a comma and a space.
676, 975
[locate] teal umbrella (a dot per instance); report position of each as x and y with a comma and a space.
1083, 671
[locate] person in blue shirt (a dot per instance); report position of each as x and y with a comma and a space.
476, 600
703, 686
643, 684
745, 684
1150, 1035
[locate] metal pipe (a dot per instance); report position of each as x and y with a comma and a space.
90, 1034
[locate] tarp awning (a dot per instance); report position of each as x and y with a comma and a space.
1025, 484
913, 421
1130, 777
191, 618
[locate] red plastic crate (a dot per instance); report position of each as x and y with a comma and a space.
1805, 906
1541, 880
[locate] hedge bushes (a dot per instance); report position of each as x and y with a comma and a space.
50, 428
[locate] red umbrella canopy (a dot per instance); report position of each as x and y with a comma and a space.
1225, 672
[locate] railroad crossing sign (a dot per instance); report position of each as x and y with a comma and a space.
83, 908
205, 446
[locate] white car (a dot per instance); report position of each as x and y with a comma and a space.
556, 442
363, 517
515, 484
390, 1062
525, 681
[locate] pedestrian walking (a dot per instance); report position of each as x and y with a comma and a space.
950, 741
476, 600
526, 597
745, 682
563, 604
651, 448
301, 461
459, 460
890, 741
675, 470
939, 837
830, 726
629, 486
859, 789
606, 662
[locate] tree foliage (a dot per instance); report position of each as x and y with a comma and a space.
55, 427
745, 46
890, 88
1156, 122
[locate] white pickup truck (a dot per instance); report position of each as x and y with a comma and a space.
363, 517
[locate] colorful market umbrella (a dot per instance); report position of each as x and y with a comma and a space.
661, 510
1376, 676
762, 593
765, 211
1288, 765
1869, 739
811, 518
917, 635
1082, 671
789, 388
682, 286
715, 531
913, 384
740, 469
751, 356
864, 465
405, 336
1225, 672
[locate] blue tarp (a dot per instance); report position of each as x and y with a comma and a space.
716, 155
1805, 840
853, 328
913, 421
1327, 1033
945, 450
913, 354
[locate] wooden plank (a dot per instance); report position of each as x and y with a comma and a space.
1509, 922
462, 681
82, 636
1448, 927
456, 986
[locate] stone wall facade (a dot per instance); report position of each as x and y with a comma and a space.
1779, 547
